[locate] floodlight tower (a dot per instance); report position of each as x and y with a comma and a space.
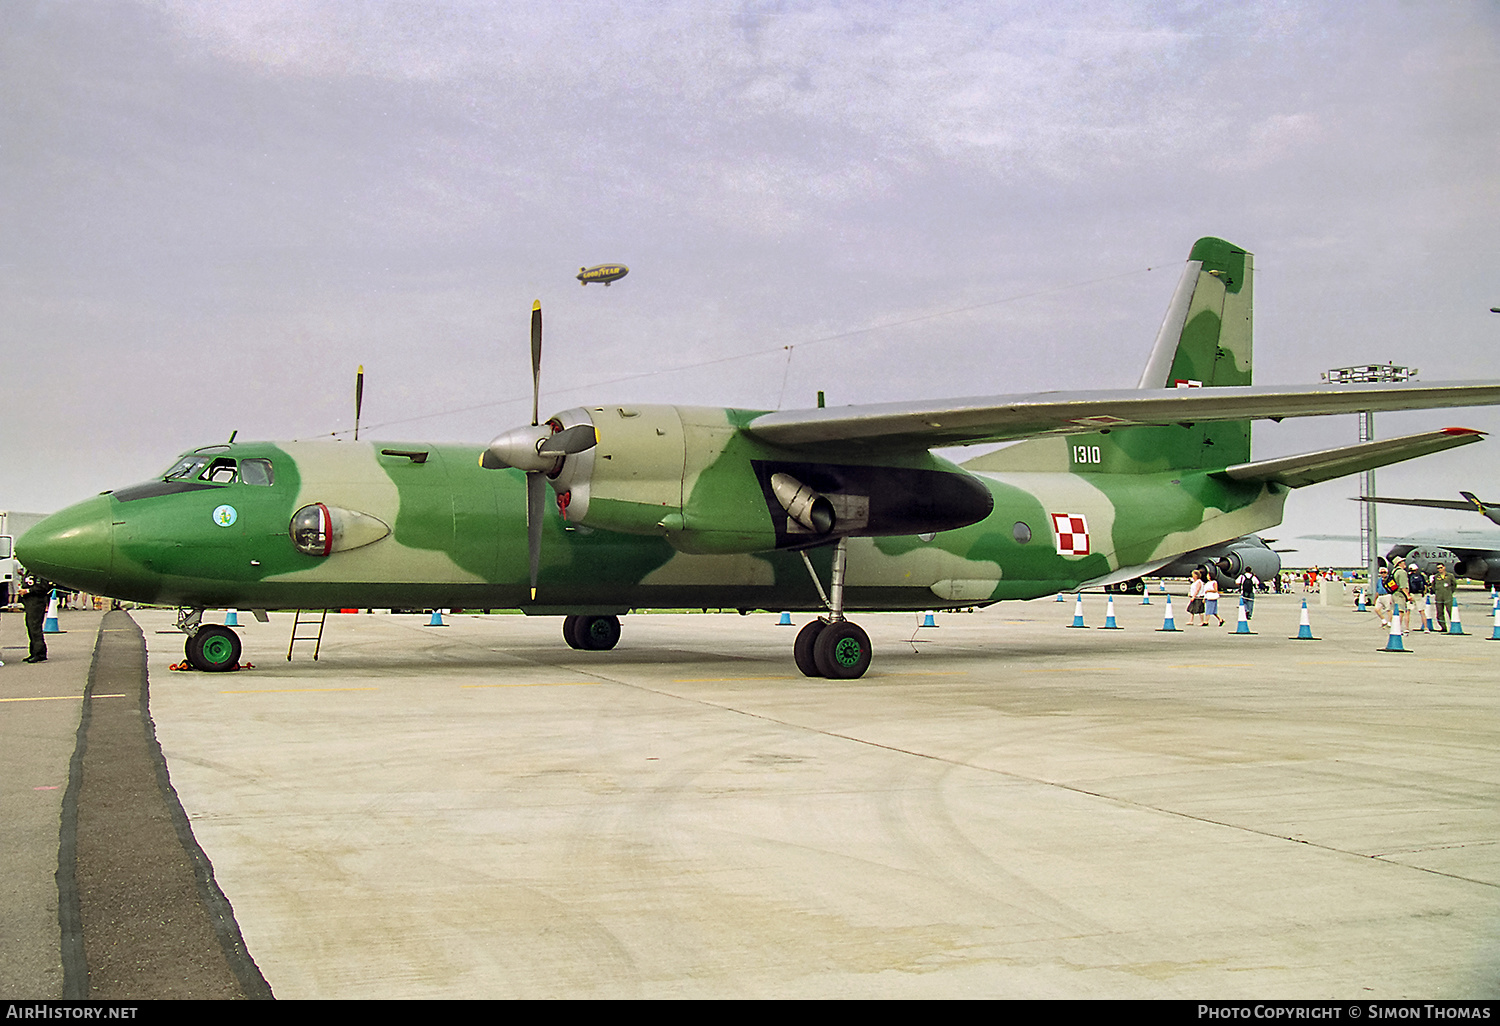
1369, 544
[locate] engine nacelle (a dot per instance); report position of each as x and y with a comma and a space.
690, 475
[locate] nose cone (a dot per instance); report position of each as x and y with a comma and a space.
72, 547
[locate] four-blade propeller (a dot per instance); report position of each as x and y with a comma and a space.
538, 450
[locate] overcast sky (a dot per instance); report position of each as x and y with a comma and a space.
211, 213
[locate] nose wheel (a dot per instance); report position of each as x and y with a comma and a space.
591, 633
213, 648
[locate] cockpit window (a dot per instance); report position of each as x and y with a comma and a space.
220, 471
186, 469
256, 472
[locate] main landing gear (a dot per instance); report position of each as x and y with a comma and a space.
831, 646
209, 647
591, 633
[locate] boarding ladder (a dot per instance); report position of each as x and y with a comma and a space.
314, 617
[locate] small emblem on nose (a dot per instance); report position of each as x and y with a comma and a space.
224, 516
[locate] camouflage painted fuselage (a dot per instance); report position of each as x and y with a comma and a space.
457, 535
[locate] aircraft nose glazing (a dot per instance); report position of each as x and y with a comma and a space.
74, 546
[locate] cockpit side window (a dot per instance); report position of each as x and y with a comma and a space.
220, 471
256, 472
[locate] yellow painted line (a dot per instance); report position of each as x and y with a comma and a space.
721, 680
292, 691
552, 684
57, 698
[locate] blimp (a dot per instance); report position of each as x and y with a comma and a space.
603, 272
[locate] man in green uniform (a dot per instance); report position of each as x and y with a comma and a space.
1442, 595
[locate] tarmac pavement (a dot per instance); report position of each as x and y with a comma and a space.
1000, 808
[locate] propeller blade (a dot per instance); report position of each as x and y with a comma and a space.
569, 441
536, 358
536, 499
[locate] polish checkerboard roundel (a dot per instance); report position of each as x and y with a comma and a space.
1072, 532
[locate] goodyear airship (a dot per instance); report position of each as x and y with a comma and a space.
602, 272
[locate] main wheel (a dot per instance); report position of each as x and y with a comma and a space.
214, 649
596, 633
570, 627
842, 651
802, 648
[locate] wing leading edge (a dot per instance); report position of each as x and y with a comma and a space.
1004, 418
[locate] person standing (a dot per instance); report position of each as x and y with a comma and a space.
1195, 601
1248, 583
1401, 596
1385, 606
1442, 594
1211, 597
36, 591
1416, 582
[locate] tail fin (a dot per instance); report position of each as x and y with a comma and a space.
1205, 341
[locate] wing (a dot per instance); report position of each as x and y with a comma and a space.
1310, 468
1002, 418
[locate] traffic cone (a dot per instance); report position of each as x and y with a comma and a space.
1060, 597
49, 625
927, 620
1427, 614
1167, 623
1393, 643
1455, 626
1109, 616
1495, 636
437, 619
1304, 632
786, 619
1078, 614
1145, 594
1243, 627
1359, 601
231, 619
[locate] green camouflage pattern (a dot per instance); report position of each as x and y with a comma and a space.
669, 511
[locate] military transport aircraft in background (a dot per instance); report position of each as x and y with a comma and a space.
674, 506
1227, 561
602, 272
1468, 553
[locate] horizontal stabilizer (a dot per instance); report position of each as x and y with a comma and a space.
1469, 502
1313, 467
1002, 418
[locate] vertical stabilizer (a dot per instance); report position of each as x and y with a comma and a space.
1205, 341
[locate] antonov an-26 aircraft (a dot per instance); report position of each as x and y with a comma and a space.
833, 510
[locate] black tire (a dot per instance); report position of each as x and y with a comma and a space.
215, 649
842, 651
597, 633
570, 629
802, 648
